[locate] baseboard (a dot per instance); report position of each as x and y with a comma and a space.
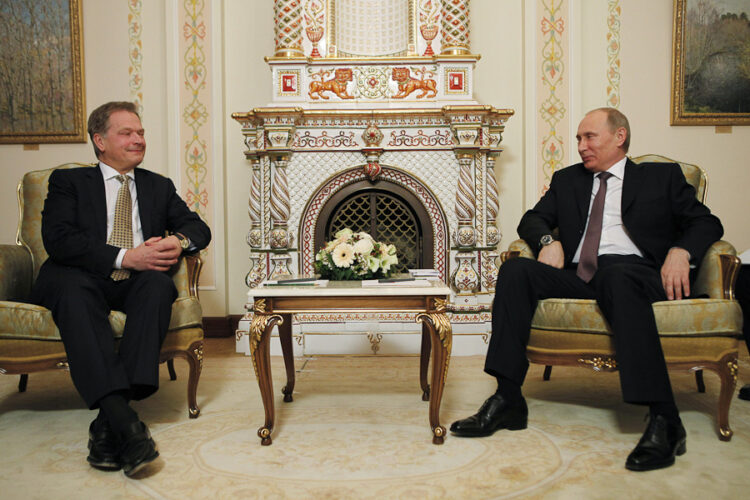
220, 326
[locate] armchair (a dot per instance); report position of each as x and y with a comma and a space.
29, 339
696, 334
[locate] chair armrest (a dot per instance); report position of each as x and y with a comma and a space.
518, 248
15, 273
186, 275
717, 274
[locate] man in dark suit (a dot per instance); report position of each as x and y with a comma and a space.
627, 237
112, 232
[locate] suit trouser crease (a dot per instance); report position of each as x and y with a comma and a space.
624, 287
80, 303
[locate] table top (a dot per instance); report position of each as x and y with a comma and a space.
419, 287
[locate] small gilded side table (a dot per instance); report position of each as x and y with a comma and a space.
273, 306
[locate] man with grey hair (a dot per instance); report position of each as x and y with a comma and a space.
626, 236
112, 232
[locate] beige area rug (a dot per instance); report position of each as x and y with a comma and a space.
359, 429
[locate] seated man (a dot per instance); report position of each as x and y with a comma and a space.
627, 236
104, 229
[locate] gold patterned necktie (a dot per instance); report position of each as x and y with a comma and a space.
122, 229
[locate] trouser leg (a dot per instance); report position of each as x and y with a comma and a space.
625, 293
80, 309
521, 283
147, 303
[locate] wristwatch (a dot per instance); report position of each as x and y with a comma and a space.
184, 242
547, 239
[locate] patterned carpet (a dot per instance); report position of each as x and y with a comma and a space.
358, 429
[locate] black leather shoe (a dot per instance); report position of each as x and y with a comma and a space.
744, 392
137, 449
658, 445
103, 446
496, 413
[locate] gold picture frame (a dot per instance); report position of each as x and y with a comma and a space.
702, 87
42, 98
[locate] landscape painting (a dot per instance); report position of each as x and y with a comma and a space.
41, 72
711, 62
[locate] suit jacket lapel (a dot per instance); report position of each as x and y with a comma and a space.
145, 199
99, 200
583, 194
631, 184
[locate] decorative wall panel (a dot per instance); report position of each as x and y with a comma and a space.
196, 108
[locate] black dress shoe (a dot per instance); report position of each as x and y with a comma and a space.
496, 413
744, 392
658, 445
137, 449
103, 446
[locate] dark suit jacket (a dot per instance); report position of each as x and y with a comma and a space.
74, 219
659, 211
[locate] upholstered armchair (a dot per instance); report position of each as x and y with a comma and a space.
696, 333
29, 339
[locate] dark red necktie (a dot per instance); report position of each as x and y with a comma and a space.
590, 249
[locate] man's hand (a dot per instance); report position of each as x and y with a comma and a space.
154, 254
675, 274
552, 255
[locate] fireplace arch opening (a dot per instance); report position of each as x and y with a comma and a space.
388, 212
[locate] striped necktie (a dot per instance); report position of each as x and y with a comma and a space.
122, 229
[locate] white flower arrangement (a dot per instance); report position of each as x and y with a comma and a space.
355, 256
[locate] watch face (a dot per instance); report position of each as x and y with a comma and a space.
184, 243
546, 239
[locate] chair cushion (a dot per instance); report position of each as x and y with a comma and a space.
675, 318
31, 322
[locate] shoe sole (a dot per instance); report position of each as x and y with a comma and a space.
513, 427
106, 466
680, 449
140, 465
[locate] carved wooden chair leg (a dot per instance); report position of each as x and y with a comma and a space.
699, 381
170, 367
22, 382
195, 360
547, 372
727, 370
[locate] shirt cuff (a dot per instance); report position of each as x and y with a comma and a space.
120, 256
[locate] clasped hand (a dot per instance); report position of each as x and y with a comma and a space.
154, 254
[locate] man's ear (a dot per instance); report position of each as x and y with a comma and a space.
621, 135
98, 141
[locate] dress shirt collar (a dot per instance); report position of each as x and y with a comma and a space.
618, 168
109, 172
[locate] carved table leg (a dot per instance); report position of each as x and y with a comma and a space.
424, 362
285, 336
442, 336
260, 333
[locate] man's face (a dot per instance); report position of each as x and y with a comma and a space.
599, 147
123, 145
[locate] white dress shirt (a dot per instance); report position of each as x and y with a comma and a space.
112, 188
615, 238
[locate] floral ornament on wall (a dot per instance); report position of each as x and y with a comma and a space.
355, 256
314, 17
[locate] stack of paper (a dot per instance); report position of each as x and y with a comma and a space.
424, 273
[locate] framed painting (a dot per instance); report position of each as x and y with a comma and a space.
41, 72
711, 62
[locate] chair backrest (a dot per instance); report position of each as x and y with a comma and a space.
694, 175
32, 191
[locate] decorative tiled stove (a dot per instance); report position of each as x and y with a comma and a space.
376, 111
